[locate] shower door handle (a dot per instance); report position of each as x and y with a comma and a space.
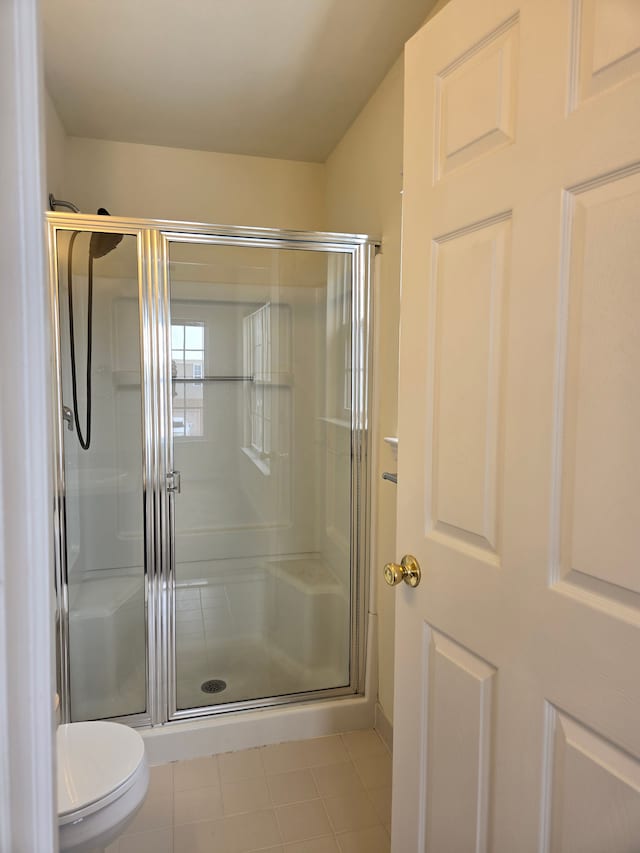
174, 484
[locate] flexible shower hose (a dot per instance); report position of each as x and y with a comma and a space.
85, 440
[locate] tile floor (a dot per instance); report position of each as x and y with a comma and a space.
326, 795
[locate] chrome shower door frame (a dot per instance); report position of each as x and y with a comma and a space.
154, 238
147, 306
361, 250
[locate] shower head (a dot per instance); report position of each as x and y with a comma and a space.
101, 243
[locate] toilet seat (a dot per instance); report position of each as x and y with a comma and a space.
98, 762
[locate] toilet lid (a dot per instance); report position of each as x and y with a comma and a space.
94, 759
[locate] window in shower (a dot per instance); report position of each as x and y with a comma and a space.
338, 322
256, 330
266, 366
187, 362
348, 376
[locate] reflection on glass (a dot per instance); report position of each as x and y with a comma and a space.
187, 362
104, 511
264, 450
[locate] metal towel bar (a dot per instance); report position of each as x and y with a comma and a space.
213, 379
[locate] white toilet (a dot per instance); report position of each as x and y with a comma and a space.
102, 782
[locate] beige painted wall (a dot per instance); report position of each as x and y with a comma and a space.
55, 146
364, 182
440, 4
175, 183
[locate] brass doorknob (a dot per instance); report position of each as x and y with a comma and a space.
408, 571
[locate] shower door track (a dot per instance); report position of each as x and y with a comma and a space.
153, 240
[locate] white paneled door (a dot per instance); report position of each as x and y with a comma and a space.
517, 722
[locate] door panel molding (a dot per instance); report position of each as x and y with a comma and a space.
458, 717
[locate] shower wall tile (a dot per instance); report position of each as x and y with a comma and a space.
187, 593
188, 628
215, 595
192, 614
190, 602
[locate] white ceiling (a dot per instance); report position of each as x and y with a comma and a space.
275, 78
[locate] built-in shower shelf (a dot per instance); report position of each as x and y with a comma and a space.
314, 577
95, 597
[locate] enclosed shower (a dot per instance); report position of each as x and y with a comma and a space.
211, 395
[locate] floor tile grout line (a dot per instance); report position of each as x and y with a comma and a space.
366, 787
311, 837
329, 821
310, 766
293, 802
275, 814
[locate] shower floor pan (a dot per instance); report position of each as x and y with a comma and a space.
251, 668
276, 628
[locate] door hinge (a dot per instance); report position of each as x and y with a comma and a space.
173, 482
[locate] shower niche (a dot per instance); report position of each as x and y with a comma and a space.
212, 537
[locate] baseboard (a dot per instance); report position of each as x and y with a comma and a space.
384, 727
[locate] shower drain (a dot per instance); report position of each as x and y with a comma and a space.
213, 685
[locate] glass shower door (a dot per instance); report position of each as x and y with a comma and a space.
102, 470
261, 430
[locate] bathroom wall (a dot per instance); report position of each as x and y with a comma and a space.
175, 183
56, 145
363, 185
